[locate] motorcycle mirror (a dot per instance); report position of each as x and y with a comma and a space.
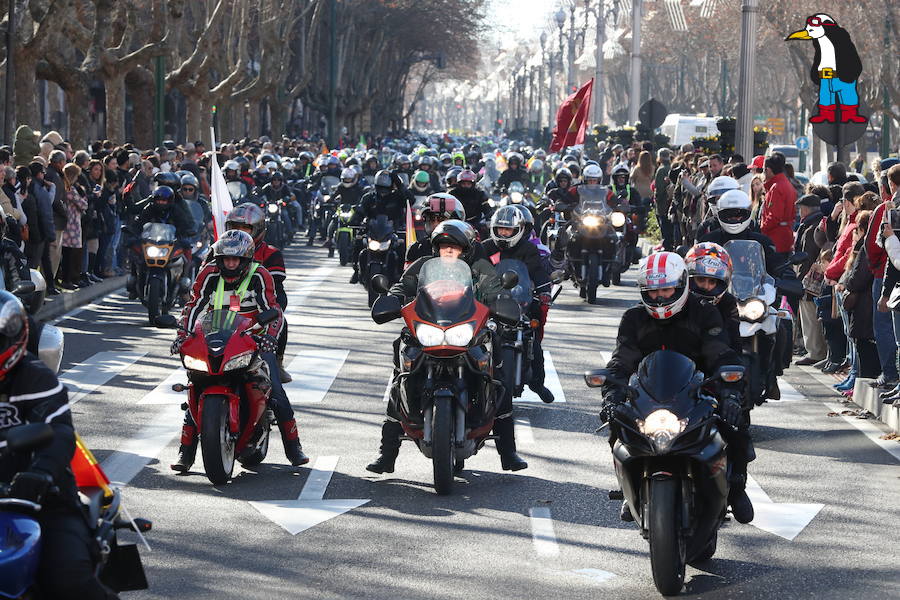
385, 308
267, 316
509, 280
558, 276
28, 437
380, 284
682, 250
505, 309
596, 377
23, 287
731, 373
166, 321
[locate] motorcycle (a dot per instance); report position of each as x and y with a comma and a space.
447, 390
596, 249
228, 404
345, 236
381, 255
515, 194
276, 229
200, 243
159, 275
322, 208
671, 459
118, 565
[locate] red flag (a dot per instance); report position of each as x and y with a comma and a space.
571, 118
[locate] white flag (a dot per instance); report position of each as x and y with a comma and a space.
221, 199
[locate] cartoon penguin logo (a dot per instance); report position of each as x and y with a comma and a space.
835, 69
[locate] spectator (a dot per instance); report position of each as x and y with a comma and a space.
54, 175
661, 196
40, 230
25, 145
812, 276
892, 273
642, 176
778, 212
76, 204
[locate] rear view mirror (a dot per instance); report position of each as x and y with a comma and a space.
558, 276
28, 437
385, 308
509, 280
380, 284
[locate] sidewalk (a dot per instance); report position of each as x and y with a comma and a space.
56, 306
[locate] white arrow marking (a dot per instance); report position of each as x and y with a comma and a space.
785, 520
597, 575
309, 509
314, 371
306, 286
551, 380
87, 376
542, 533
788, 393
163, 394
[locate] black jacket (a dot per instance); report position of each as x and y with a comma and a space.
805, 241
178, 215
696, 331
858, 303
348, 195
393, 205
31, 393
524, 251
474, 201
728, 310
510, 175
721, 237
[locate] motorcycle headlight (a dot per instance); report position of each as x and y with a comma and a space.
241, 361
273, 208
156, 252
460, 335
199, 244
429, 335
515, 197
591, 221
376, 246
662, 426
194, 364
617, 219
752, 310
346, 215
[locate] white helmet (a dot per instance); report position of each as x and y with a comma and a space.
231, 165
348, 177
508, 217
734, 211
592, 172
659, 271
717, 187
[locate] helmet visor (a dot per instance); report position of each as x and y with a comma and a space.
733, 216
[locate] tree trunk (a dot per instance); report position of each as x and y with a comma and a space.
79, 117
25, 108
253, 120
280, 112
115, 107
142, 93
195, 109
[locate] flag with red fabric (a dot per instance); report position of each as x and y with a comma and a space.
571, 118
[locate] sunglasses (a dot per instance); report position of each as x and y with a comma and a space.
188, 188
817, 22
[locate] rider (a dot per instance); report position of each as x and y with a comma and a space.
438, 208
715, 189
252, 289
32, 394
622, 193
450, 239
349, 193
509, 239
672, 318
232, 170
421, 184
514, 172
475, 202
388, 199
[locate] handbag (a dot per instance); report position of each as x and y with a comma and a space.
814, 280
850, 300
893, 302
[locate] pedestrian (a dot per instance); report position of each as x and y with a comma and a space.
76, 204
778, 211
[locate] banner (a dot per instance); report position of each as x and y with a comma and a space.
410, 229
571, 118
221, 199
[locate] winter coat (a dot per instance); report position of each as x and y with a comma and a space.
76, 204
841, 251
806, 242
858, 303
779, 212
44, 222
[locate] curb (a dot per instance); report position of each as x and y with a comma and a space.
864, 396
56, 306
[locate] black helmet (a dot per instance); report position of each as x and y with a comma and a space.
168, 179
456, 232
243, 162
384, 181
234, 243
163, 198
277, 175
562, 174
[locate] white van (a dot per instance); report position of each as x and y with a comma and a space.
681, 128
791, 154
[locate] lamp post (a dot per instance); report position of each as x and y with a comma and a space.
570, 78
540, 100
560, 22
634, 94
743, 138
599, 90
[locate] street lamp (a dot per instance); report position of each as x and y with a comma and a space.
540, 117
560, 21
570, 78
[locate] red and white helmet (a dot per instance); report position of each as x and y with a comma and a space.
659, 271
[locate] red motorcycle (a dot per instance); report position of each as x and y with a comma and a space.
228, 403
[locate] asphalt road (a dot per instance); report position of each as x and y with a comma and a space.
545, 532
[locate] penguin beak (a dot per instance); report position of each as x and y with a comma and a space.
799, 35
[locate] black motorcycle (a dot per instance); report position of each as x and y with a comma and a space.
381, 255
596, 249
670, 459
323, 208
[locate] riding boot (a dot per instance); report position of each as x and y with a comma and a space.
389, 449
506, 445
187, 451
354, 279
292, 448
282, 372
741, 507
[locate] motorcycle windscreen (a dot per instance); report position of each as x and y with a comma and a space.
329, 184
524, 290
158, 233
749, 262
665, 375
592, 198
237, 190
380, 228
223, 322
445, 292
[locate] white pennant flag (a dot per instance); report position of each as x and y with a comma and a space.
221, 199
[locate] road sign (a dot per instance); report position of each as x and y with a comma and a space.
802, 143
775, 125
652, 113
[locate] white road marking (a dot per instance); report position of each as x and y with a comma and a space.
786, 519
542, 533
788, 393
605, 356
551, 381
85, 377
309, 509
597, 575
313, 372
524, 434
163, 394
305, 287
126, 462
387, 388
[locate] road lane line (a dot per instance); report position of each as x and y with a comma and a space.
305, 287
542, 533
314, 371
524, 434
163, 394
125, 463
85, 377
597, 575
788, 392
319, 478
551, 381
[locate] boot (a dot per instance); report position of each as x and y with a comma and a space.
187, 451
541, 390
506, 445
291, 440
849, 114
625, 513
389, 449
741, 507
354, 279
826, 114
282, 372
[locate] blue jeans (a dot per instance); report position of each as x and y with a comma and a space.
885, 340
852, 357
832, 89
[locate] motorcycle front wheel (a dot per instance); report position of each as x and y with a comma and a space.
442, 455
343, 244
216, 441
667, 549
592, 277
154, 299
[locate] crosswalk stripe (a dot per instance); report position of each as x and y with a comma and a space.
163, 394
85, 377
542, 533
313, 372
551, 381
524, 434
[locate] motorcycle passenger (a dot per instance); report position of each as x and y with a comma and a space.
450, 239
670, 317
438, 208
514, 172
475, 202
370, 167
386, 198
510, 234
715, 189
252, 288
33, 394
